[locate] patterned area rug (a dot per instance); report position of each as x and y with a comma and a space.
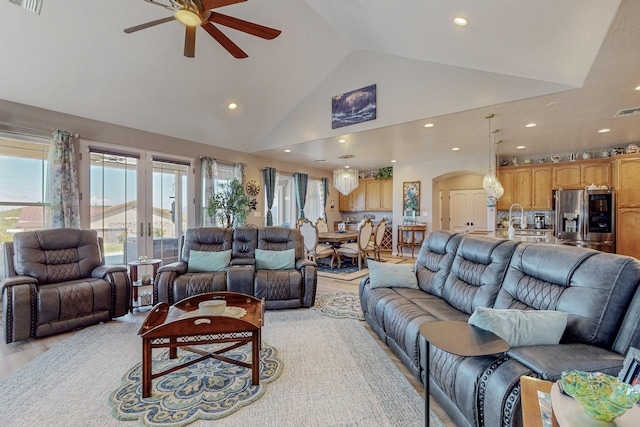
207, 390
345, 305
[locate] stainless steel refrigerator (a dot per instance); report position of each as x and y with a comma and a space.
586, 218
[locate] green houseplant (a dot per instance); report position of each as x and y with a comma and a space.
385, 173
229, 205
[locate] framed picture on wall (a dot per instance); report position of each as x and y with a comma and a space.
411, 198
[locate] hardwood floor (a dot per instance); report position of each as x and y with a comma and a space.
15, 355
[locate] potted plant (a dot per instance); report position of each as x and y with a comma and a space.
385, 173
230, 205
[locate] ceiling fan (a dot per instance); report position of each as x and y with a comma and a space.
194, 13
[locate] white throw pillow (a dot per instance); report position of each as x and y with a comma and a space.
386, 275
522, 327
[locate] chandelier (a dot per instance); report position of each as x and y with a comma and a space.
345, 179
490, 183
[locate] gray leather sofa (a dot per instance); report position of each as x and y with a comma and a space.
56, 281
291, 288
456, 273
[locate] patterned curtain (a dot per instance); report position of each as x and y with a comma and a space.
300, 182
209, 172
325, 196
63, 191
238, 172
270, 189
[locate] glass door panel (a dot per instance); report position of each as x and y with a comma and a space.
114, 205
169, 216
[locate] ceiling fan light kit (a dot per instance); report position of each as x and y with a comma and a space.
198, 13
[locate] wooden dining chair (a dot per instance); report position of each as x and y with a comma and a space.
322, 226
360, 248
312, 248
379, 236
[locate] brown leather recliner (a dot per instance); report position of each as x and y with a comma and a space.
174, 282
285, 288
56, 281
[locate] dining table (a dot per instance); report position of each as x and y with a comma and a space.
337, 237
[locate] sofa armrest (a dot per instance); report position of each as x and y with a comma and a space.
243, 261
118, 278
178, 267
101, 271
19, 307
309, 271
303, 262
240, 279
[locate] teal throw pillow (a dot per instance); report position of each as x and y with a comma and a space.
275, 260
386, 275
203, 261
522, 327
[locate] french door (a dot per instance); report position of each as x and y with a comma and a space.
138, 201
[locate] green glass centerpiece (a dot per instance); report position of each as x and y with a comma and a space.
602, 396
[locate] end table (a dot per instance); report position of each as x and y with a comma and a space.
135, 283
459, 338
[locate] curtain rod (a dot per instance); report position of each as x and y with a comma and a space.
32, 129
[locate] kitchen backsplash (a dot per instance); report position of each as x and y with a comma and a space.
549, 218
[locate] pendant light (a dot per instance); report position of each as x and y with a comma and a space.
345, 179
490, 183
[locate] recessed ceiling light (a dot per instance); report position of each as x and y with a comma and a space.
347, 166
233, 106
530, 125
287, 151
429, 125
605, 130
393, 161
342, 141
520, 147
637, 87
460, 21
455, 149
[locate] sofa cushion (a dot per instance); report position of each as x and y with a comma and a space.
275, 260
477, 272
204, 261
434, 260
522, 327
595, 288
386, 275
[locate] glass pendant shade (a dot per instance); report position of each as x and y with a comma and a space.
345, 180
491, 183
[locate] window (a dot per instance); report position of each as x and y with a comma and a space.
23, 165
225, 176
285, 209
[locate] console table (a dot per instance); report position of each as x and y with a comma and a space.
411, 242
461, 339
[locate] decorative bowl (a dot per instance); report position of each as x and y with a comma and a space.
213, 307
602, 396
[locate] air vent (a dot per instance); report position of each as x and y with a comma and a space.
628, 112
30, 5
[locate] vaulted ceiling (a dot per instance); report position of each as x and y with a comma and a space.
568, 66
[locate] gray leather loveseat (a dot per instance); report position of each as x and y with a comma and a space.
292, 287
456, 274
56, 281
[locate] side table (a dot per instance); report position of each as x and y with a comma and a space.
459, 338
135, 283
411, 243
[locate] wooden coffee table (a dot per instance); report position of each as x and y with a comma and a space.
182, 326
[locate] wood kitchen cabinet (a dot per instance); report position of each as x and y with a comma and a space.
626, 178
371, 195
379, 195
354, 201
580, 174
529, 186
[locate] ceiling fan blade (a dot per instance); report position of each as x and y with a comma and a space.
149, 24
160, 4
224, 41
190, 42
214, 4
245, 26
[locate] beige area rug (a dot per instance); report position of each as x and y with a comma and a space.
354, 273
335, 374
